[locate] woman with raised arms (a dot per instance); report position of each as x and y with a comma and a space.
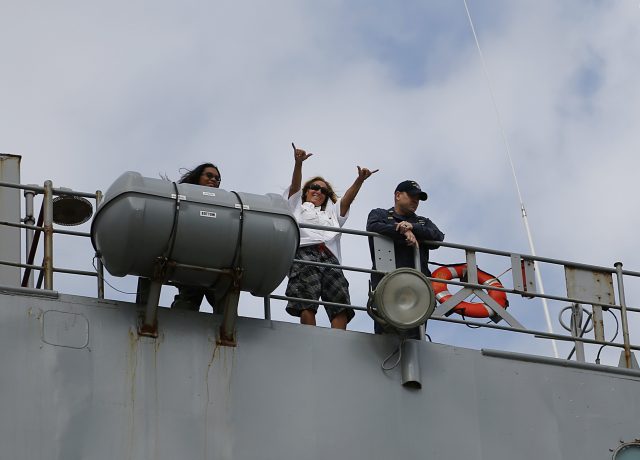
316, 203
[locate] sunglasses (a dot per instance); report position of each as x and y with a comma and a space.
211, 176
319, 188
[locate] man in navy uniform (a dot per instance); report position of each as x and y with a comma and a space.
406, 229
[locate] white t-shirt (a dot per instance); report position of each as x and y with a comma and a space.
307, 213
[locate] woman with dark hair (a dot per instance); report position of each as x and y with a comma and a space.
190, 297
206, 174
316, 203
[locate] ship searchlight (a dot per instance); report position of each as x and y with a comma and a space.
404, 299
193, 235
71, 210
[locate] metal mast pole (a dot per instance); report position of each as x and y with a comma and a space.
515, 178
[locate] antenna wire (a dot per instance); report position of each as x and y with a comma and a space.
515, 179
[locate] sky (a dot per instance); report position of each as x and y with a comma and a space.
89, 90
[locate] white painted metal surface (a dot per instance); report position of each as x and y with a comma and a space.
9, 212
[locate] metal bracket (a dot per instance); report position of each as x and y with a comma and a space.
384, 254
149, 326
591, 287
498, 311
632, 361
524, 275
227, 333
491, 305
149, 323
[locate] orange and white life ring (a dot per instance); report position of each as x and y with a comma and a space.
470, 309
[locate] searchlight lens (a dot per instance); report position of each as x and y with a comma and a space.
404, 298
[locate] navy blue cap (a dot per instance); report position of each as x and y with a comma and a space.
412, 188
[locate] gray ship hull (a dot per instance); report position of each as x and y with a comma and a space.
77, 382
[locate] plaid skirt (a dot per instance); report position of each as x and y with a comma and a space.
313, 282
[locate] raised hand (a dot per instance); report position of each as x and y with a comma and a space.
299, 155
365, 173
350, 194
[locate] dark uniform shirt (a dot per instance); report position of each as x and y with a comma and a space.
384, 221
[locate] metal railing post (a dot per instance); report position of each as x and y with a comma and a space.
29, 220
576, 326
472, 267
623, 315
422, 329
99, 266
267, 307
48, 234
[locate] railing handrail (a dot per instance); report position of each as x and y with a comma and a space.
45, 227
41, 190
48, 268
467, 284
481, 249
577, 339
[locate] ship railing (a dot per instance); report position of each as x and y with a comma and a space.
603, 288
45, 226
585, 284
